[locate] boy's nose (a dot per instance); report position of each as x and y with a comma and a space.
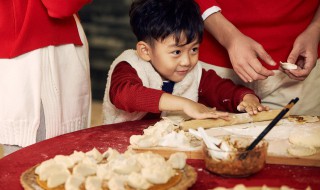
186, 61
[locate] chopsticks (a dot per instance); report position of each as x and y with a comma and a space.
271, 125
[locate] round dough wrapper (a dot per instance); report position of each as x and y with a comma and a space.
301, 151
305, 136
288, 66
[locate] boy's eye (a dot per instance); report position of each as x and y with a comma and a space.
195, 50
177, 52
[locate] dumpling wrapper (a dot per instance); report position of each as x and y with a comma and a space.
288, 66
301, 151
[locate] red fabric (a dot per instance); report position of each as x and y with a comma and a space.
117, 136
220, 93
272, 23
128, 93
63, 8
204, 5
26, 25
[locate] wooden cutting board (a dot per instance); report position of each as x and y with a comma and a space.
313, 160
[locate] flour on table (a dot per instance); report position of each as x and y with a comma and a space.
303, 119
282, 137
280, 131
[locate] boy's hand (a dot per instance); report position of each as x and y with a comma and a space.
169, 102
251, 105
200, 111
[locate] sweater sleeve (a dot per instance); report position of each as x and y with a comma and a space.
221, 93
63, 8
128, 93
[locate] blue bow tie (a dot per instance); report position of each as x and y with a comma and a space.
168, 86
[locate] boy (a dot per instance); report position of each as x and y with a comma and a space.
162, 74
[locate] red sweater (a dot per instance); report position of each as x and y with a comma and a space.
26, 25
274, 24
128, 93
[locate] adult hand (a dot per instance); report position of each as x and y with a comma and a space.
243, 51
304, 53
244, 55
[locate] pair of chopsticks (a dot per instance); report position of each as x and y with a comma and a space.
271, 125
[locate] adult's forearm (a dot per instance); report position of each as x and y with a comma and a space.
315, 23
222, 29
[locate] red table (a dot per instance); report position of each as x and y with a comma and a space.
117, 136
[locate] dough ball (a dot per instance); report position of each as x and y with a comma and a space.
305, 136
288, 66
301, 151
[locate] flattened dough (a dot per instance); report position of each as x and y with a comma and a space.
301, 151
303, 119
305, 136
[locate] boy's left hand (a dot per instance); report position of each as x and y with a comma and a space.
251, 105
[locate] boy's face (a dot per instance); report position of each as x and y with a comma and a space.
171, 61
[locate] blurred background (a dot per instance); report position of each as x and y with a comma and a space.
106, 24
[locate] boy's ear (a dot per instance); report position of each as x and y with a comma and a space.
143, 50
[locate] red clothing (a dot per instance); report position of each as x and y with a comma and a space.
128, 93
272, 23
26, 25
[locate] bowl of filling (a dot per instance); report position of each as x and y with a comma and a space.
228, 156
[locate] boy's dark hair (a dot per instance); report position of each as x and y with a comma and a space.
157, 19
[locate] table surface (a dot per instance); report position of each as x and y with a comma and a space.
117, 136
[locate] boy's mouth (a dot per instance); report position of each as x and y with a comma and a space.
183, 72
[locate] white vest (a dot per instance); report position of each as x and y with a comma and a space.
150, 78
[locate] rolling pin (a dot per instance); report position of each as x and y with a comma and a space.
234, 119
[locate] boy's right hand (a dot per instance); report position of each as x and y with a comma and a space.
195, 110
200, 111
